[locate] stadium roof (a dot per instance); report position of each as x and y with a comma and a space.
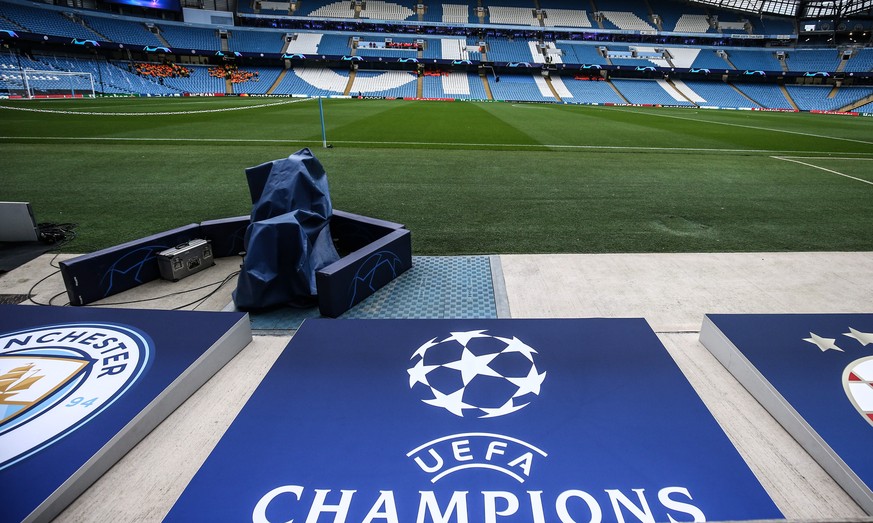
802, 8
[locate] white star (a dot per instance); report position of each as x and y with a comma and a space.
421, 350
825, 344
516, 345
528, 384
864, 338
507, 408
452, 402
464, 337
471, 366
418, 374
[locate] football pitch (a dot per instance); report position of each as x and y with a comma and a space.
464, 177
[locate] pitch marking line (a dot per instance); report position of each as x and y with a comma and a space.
820, 158
792, 159
606, 148
158, 113
751, 127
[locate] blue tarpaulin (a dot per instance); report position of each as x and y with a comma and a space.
288, 239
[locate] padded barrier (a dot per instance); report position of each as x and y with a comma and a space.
226, 235
377, 252
100, 274
382, 251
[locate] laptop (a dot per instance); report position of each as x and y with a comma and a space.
17, 223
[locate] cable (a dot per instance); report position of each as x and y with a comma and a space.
53, 298
227, 279
33, 287
177, 293
54, 233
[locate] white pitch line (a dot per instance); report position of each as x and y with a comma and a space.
821, 158
750, 127
412, 144
156, 113
789, 159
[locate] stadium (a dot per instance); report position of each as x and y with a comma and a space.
603, 209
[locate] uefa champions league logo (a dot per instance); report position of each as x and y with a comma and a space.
473, 374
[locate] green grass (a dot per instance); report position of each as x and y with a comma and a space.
466, 178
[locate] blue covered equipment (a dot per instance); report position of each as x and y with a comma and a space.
288, 239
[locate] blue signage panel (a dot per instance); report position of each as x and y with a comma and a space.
814, 373
474, 420
79, 387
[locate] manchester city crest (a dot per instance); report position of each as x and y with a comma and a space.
54, 379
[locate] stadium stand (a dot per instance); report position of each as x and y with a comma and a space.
455, 14
43, 21
122, 31
265, 78
379, 10
504, 45
379, 50
455, 84
688, 23
686, 18
253, 41
592, 91
501, 50
766, 95
813, 60
825, 98
432, 87
199, 81
330, 10
314, 81
308, 43
710, 59
580, 54
654, 92
554, 17
395, 84
511, 15
627, 21
718, 94
477, 88
7, 25
334, 45
432, 48
754, 60
861, 61
279, 8
733, 23
775, 26
188, 37
521, 87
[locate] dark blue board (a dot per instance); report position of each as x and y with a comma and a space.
813, 373
94, 276
501, 420
72, 379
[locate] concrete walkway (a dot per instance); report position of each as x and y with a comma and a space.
672, 291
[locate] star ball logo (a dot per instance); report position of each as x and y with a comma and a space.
473, 374
858, 375
54, 379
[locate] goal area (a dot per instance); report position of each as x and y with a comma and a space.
32, 83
